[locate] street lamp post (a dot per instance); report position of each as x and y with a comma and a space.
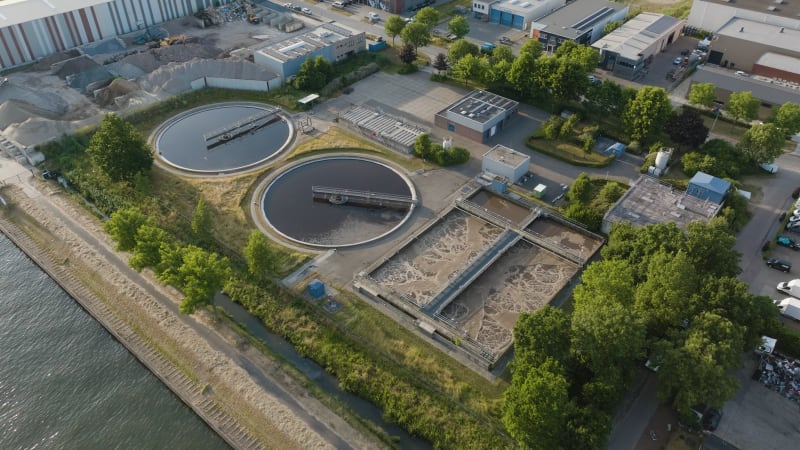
716, 116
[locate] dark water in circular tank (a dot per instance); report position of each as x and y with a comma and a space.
289, 206
183, 145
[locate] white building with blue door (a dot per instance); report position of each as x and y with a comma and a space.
332, 42
515, 13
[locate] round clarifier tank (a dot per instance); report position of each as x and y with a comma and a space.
226, 137
293, 207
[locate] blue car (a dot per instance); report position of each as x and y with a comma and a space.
786, 241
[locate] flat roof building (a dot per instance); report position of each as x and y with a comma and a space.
332, 42
478, 116
581, 21
711, 15
649, 201
778, 67
741, 42
625, 50
515, 13
505, 162
770, 91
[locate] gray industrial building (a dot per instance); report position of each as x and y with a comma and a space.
478, 116
581, 21
505, 162
33, 29
650, 201
626, 50
332, 42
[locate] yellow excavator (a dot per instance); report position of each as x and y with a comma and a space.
172, 40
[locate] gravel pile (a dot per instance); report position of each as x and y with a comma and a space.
11, 112
176, 78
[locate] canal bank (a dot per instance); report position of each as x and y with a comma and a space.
225, 380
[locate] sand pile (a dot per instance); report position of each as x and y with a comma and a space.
36, 130
43, 102
118, 88
12, 112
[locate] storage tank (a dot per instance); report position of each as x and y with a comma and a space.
662, 159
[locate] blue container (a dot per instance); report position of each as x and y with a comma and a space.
316, 289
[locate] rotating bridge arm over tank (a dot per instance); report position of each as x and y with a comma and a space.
239, 128
339, 196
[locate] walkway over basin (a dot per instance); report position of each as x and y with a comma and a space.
339, 196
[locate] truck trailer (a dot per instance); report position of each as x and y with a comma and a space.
790, 307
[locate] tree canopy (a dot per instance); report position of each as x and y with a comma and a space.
687, 128
787, 118
123, 225
262, 260
459, 26
762, 143
196, 272
742, 105
702, 94
646, 112
118, 150
470, 67
428, 17
394, 26
461, 48
416, 34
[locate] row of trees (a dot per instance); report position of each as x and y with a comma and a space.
743, 106
659, 292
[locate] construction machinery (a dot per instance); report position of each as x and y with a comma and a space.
173, 40
150, 34
252, 17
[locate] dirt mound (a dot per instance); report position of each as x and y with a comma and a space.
36, 130
12, 112
117, 88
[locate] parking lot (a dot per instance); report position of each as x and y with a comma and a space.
661, 65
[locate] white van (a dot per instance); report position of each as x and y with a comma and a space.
770, 167
338, 4
373, 17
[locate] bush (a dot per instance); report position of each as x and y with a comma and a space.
552, 128
406, 69
649, 160
438, 78
635, 147
588, 144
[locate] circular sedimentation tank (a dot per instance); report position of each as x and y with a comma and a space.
223, 138
337, 201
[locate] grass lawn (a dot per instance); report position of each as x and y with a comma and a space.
568, 152
675, 8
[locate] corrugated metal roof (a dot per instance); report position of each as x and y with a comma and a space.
13, 12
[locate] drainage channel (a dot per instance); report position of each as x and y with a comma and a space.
326, 382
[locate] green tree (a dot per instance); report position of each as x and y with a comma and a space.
687, 129
460, 49
669, 295
422, 146
497, 72
118, 150
541, 335
147, 251
470, 68
532, 48
308, 77
202, 223
587, 57
459, 26
325, 68
611, 279
703, 94
610, 193
787, 118
262, 260
761, 143
646, 112
742, 105
502, 53
585, 214
637, 245
608, 339
200, 275
123, 225
580, 191
416, 34
729, 297
535, 406
563, 78
394, 26
522, 72
698, 369
427, 17
609, 97
710, 248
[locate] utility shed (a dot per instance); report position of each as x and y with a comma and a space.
505, 162
708, 187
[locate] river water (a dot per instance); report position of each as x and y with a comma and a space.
66, 383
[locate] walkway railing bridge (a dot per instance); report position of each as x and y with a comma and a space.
340, 196
239, 128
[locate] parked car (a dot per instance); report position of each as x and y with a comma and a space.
786, 241
711, 419
793, 220
779, 264
505, 40
373, 16
677, 61
306, 11
408, 19
770, 167
50, 175
338, 4
452, 37
594, 80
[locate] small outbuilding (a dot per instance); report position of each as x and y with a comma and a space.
708, 187
479, 116
505, 162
